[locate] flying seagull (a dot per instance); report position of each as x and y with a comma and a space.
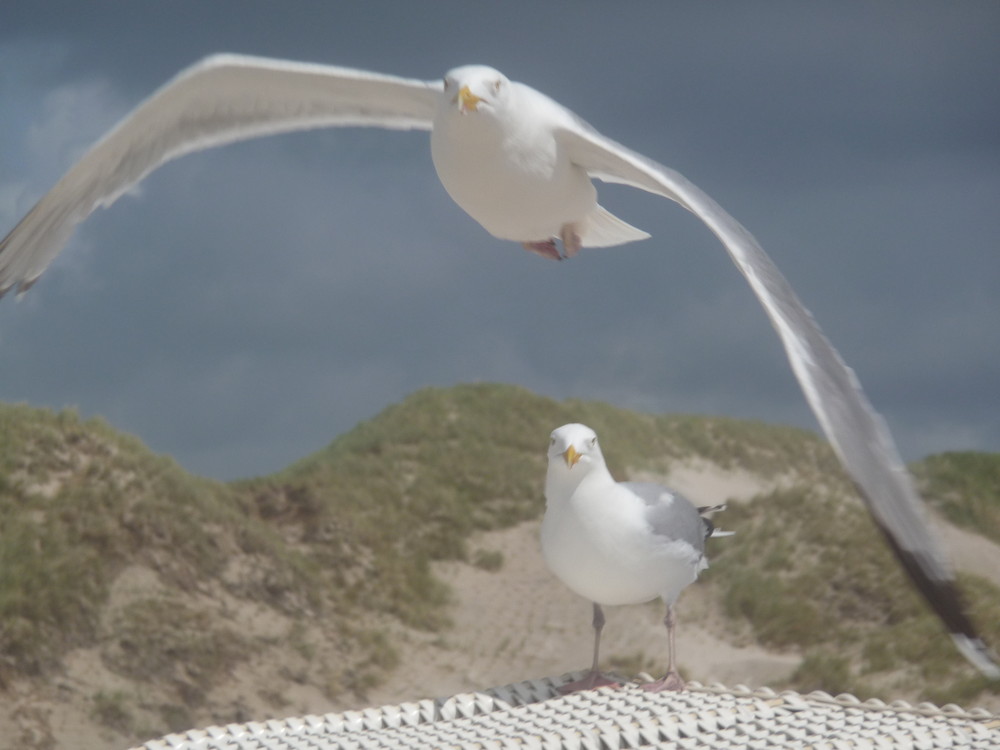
521, 165
618, 542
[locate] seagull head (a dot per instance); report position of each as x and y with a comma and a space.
474, 88
575, 447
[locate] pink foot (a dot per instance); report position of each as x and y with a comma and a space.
591, 681
546, 249
670, 681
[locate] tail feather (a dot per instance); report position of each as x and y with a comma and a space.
710, 528
600, 228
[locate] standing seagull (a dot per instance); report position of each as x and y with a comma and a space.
617, 542
521, 165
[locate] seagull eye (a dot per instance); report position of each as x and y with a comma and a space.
593, 442
496, 86
447, 83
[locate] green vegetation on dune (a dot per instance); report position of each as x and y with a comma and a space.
348, 535
77, 502
359, 521
411, 484
965, 486
807, 570
640, 441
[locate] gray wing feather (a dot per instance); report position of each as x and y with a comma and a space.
670, 514
856, 432
222, 99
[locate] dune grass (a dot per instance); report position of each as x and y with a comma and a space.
965, 487
807, 571
78, 503
349, 534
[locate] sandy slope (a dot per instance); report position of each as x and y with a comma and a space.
521, 622
969, 552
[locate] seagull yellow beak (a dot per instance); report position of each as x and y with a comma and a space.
467, 100
571, 457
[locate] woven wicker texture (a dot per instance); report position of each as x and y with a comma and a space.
532, 715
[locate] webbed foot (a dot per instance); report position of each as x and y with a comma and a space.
589, 682
670, 681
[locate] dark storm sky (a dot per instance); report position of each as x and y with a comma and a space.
248, 304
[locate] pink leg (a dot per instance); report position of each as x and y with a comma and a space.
546, 249
672, 679
594, 678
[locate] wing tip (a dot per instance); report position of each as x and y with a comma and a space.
940, 590
19, 287
979, 654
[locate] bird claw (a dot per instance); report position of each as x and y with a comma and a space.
571, 245
547, 249
670, 681
590, 682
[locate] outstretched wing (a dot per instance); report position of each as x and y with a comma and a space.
856, 431
220, 100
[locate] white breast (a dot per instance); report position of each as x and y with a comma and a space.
504, 168
600, 546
